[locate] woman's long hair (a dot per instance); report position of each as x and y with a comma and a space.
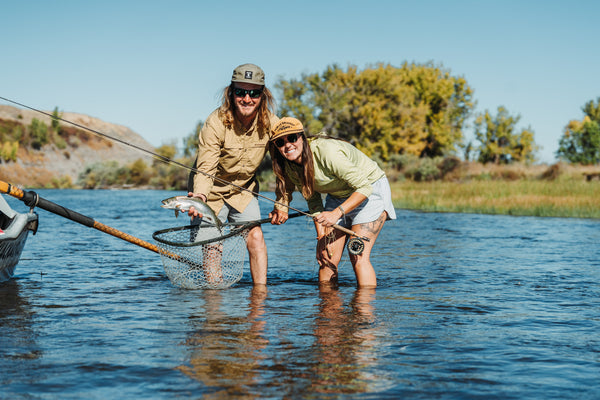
267, 104
308, 168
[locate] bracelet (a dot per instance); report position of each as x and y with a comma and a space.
342, 210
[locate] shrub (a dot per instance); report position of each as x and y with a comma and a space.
448, 165
402, 161
101, 175
510, 174
60, 143
62, 183
39, 133
17, 133
425, 170
8, 151
553, 172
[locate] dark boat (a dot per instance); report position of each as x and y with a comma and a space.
14, 228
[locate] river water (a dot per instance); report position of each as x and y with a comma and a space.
467, 307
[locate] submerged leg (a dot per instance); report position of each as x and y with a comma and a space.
329, 253
211, 263
257, 253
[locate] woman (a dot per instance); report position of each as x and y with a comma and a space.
358, 194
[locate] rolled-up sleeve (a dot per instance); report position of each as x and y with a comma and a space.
315, 203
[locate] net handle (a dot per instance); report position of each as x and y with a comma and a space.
234, 231
32, 199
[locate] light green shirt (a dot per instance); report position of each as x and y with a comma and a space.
340, 170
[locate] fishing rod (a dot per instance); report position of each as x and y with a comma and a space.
32, 199
167, 160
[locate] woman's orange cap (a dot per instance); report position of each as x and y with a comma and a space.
286, 126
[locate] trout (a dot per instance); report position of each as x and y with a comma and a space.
184, 203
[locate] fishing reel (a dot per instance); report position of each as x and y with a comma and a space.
355, 246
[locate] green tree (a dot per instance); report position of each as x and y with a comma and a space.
56, 119
500, 143
298, 101
190, 142
139, 172
166, 152
592, 110
580, 142
383, 110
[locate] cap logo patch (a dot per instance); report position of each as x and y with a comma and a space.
248, 75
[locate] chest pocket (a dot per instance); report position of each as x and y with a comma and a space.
242, 155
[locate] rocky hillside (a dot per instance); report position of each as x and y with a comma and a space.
79, 148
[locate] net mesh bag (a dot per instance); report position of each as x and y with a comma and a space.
203, 256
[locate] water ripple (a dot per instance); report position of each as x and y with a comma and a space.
468, 306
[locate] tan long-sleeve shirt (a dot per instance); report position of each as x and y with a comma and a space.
232, 155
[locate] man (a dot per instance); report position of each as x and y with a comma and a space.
232, 144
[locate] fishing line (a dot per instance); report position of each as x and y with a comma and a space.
162, 158
167, 160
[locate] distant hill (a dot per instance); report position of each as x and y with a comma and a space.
70, 151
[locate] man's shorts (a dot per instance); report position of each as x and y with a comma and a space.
230, 214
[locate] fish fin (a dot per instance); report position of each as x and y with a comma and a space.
176, 213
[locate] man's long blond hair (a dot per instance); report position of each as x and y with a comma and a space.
266, 106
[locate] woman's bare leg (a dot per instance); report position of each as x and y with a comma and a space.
363, 269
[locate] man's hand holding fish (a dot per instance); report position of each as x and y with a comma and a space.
195, 206
193, 212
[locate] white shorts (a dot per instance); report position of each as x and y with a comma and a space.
370, 209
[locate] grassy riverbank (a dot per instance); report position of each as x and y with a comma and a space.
534, 192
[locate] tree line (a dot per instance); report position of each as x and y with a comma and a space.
393, 114
422, 110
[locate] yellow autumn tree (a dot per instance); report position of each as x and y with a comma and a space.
382, 109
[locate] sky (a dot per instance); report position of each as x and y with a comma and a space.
159, 67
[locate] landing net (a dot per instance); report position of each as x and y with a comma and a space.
202, 256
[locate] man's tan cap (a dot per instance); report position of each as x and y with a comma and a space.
248, 73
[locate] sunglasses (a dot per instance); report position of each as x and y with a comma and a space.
253, 93
291, 138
